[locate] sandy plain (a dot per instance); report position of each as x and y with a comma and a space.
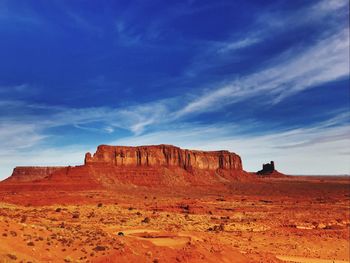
294, 219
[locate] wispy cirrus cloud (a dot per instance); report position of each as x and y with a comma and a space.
16, 136
236, 45
24, 127
291, 73
268, 27
134, 118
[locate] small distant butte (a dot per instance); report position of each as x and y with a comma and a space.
269, 170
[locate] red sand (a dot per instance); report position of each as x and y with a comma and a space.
177, 211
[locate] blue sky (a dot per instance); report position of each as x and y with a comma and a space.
268, 80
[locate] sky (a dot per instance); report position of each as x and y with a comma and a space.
268, 80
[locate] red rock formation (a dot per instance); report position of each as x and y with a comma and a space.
143, 165
164, 155
50, 178
269, 170
32, 173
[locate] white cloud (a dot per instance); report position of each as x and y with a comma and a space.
327, 6
109, 129
132, 117
333, 15
239, 44
271, 23
16, 136
326, 61
319, 11
321, 149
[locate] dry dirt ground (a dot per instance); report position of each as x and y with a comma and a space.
271, 220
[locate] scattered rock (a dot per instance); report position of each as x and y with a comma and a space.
321, 226
23, 219
146, 220
100, 248
185, 207
76, 215
68, 259
265, 201
11, 256
217, 228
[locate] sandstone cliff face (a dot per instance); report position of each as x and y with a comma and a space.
164, 155
153, 166
31, 173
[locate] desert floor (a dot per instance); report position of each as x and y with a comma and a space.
299, 219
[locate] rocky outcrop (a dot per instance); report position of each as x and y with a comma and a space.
152, 166
32, 173
165, 156
269, 170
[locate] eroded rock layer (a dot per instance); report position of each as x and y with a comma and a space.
152, 166
164, 155
30, 173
